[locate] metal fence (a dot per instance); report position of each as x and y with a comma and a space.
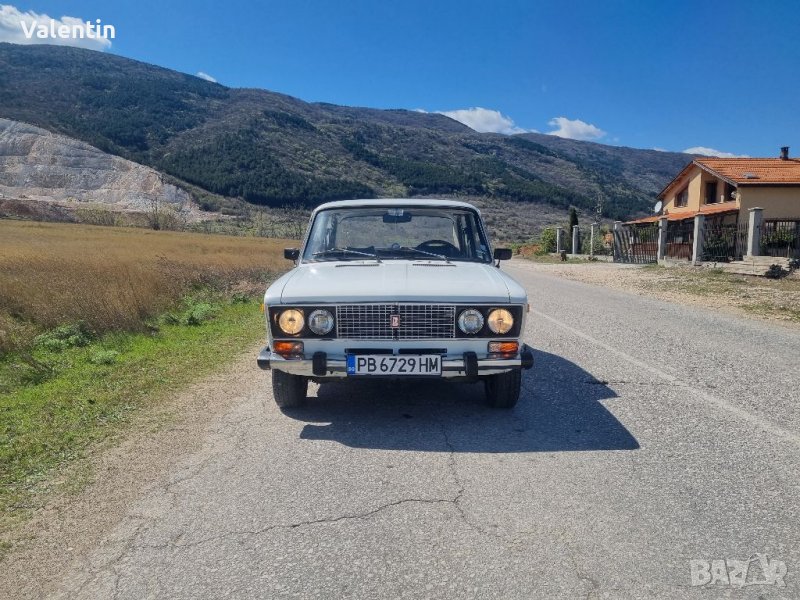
680, 238
723, 242
603, 242
637, 244
781, 238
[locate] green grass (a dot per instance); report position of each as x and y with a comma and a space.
54, 409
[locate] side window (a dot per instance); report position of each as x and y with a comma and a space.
711, 192
468, 232
682, 197
730, 192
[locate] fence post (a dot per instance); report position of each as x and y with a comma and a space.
697, 246
617, 241
591, 239
662, 238
558, 240
576, 240
754, 231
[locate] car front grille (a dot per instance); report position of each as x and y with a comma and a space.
416, 321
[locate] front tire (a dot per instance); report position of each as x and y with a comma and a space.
289, 390
503, 390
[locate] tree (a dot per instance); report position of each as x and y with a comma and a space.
154, 212
573, 219
547, 240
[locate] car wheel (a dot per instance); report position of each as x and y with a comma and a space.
503, 390
289, 390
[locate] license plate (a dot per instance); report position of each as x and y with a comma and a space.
386, 364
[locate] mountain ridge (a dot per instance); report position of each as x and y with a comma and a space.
272, 149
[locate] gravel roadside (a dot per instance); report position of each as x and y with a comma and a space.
754, 297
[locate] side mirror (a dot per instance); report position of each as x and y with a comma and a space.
502, 253
291, 253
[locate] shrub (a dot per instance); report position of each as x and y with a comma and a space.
104, 357
547, 241
63, 337
776, 272
199, 313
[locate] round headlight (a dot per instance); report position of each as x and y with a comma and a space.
291, 321
320, 321
470, 321
500, 320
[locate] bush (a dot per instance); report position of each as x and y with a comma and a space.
199, 313
66, 336
104, 357
196, 311
547, 241
776, 272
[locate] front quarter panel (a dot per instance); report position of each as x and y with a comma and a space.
516, 293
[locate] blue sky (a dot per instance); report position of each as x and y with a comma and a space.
668, 75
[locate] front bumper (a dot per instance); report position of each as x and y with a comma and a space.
469, 365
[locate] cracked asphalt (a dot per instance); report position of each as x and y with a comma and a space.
648, 434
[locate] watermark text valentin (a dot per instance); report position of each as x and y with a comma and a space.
81, 30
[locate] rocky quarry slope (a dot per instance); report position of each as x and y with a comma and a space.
36, 164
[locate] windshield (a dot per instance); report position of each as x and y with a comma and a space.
387, 233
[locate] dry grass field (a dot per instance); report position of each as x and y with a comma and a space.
114, 279
99, 325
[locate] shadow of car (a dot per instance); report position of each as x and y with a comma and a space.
560, 410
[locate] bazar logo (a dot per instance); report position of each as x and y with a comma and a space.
759, 569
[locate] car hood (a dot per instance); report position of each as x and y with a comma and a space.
396, 280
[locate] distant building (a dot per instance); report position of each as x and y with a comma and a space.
725, 188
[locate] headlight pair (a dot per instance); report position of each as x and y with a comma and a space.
499, 320
292, 320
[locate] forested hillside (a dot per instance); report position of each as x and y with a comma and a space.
272, 149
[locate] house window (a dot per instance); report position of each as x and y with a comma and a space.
711, 192
682, 197
730, 192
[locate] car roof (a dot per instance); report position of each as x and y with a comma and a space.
425, 202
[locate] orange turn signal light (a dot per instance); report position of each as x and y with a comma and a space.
503, 347
289, 349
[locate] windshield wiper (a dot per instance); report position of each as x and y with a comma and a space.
425, 252
345, 251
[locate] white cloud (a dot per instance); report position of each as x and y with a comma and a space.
574, 129
485, 120
206, 76
21, 28
705, 151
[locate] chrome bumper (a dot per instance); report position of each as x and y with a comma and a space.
467, 366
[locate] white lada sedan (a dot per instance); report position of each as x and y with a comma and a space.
400, 289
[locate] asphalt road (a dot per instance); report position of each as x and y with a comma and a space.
649, 435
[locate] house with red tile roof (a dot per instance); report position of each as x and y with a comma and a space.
723, 190
727, 186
